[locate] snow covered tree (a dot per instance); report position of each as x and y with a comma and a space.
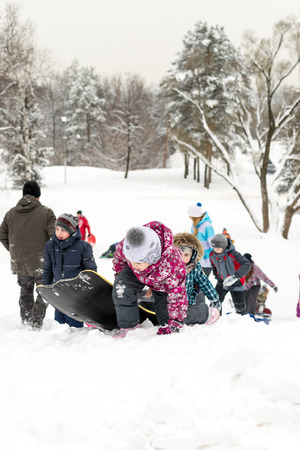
260, 119
271, 62
82, 105
132, 136
21, 68
207, 73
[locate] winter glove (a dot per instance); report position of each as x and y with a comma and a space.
275, 288
172, 327
216, 305
229, 281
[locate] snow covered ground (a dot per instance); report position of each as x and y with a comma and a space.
232, 385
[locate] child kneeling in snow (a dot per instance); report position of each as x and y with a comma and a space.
65, 256
147, 257
198, 311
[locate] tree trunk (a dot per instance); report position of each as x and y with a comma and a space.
289, 212
25, 139
128, 152
207, 171
186, 165
166, 146
88, 128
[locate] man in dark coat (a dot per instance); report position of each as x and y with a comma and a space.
24, 232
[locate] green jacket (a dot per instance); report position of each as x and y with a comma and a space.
24, 232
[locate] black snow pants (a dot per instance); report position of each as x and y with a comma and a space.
31, 310
250, 298
238, 298
125, 296
197, 313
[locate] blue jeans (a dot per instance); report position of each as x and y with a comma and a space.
63, 318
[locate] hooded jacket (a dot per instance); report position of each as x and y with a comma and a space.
256, 276
24, 232
205, 233
65, 259
167, 275
230, 262
196, 279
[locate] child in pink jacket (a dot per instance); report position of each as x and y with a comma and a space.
147, 257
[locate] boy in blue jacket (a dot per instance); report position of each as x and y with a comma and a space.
65, 256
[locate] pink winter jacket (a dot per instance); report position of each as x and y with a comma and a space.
167, 275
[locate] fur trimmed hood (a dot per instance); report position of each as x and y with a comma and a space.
189, 240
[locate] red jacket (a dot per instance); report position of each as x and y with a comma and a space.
83, 226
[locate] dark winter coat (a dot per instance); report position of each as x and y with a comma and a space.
24, 232
230, 262
65, 259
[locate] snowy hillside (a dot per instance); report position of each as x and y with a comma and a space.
232, 385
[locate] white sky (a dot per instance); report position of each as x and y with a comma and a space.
141, 36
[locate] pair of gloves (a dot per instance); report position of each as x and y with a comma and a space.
172, 327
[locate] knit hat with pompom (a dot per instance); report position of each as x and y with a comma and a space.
142, 245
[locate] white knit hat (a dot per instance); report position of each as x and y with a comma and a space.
142, 245
195, 210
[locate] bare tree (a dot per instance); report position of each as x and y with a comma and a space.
272, 61
133, 136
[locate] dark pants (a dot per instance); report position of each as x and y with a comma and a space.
125, 296
207, 271
197, 313
31, 310
63, 318
250, 298
238, 298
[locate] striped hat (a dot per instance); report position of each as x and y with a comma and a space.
68, 222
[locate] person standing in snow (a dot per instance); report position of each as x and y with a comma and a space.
197, 282
253, 285
66, 255
24, 232
202, 228
83, 225
147, 257
229, 268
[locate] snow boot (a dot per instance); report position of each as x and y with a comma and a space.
121, 333
213, 315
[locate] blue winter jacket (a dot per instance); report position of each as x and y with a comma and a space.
65, 259
205, 233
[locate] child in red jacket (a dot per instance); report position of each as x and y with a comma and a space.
83, 225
